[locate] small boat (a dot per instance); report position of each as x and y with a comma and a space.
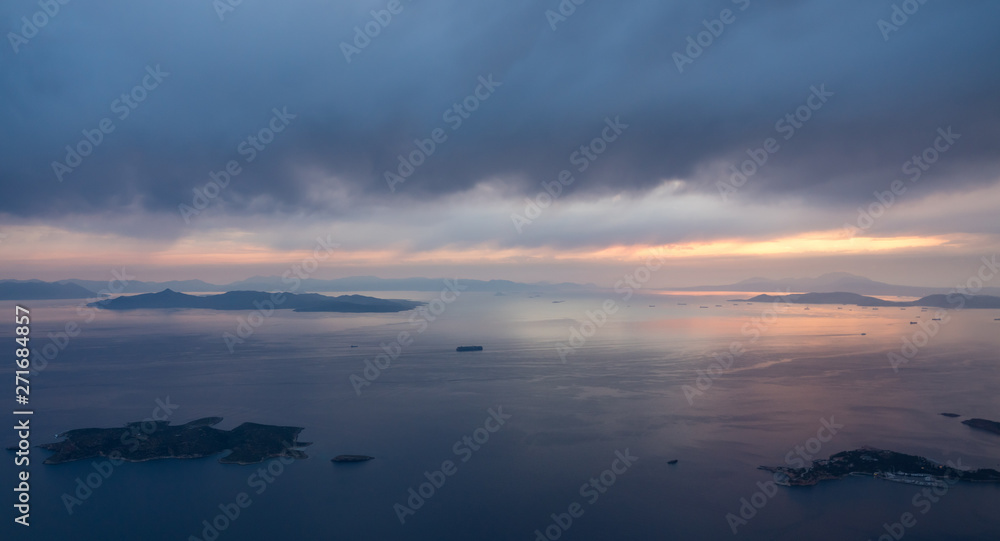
864, 334
469, 348
674, 461
913, 323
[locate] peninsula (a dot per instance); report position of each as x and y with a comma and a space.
880, 463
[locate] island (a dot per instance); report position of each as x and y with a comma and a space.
469, 348
983, 424
955, 301
881, 464
257, 300
249, 443
951, 415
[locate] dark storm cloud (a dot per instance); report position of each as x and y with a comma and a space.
608, 59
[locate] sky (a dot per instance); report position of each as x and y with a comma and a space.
523, 140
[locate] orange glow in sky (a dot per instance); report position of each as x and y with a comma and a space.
43, 244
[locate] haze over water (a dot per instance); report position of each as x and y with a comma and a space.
622, 390
535, 147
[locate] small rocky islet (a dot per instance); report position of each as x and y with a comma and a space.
983, 424
351, 458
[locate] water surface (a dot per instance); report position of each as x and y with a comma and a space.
622, 389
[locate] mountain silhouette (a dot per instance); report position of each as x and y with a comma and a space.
932, 301
257, 300
28, 290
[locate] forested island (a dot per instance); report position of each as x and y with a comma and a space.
250, 443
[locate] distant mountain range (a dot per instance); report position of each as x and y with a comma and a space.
354, 283
374, 283
81, 289
254, 300
84, 289
938, 300
16, 290
832, 282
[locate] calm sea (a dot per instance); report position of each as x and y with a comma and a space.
627, 386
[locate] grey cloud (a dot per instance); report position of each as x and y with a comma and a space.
607, 59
